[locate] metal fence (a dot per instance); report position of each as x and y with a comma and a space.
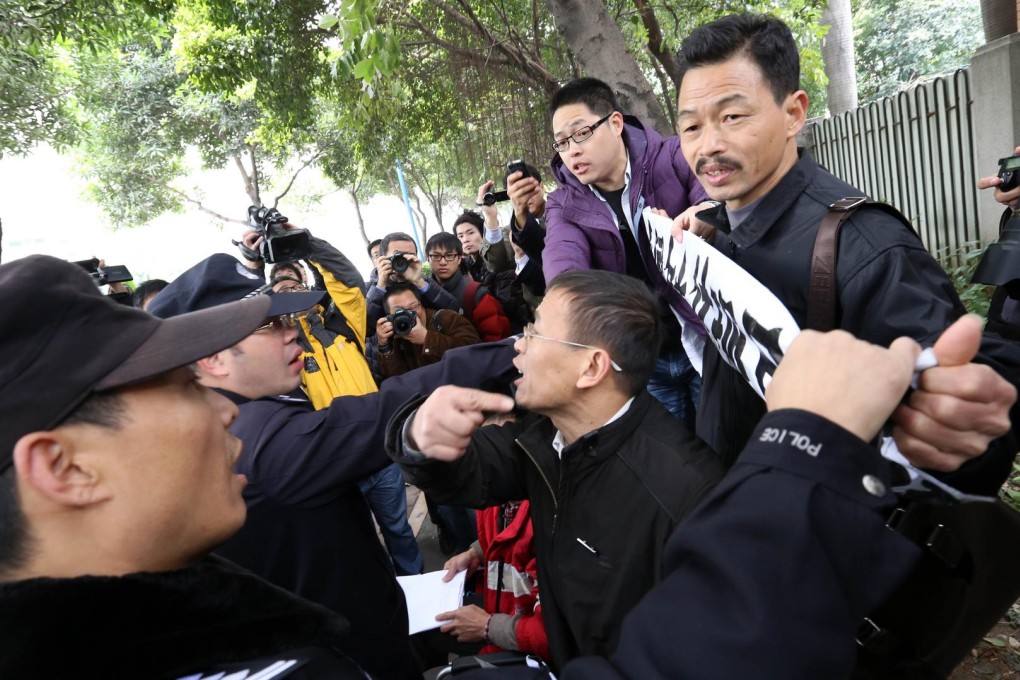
915, 151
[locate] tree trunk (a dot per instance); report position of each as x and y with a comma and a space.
357, 211
838, 56
999, 18
601, 52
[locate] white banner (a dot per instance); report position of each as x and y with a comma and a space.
750, 327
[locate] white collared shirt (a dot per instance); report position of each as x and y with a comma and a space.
559, 444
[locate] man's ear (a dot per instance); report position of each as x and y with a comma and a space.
796, 109
213, 365
616, 123
49, 463
595, 371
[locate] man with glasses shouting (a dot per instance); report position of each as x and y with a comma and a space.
608, 472
609, 167
309, 529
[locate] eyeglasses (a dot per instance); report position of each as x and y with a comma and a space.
293, 287
580, 135
530, 334
279, 323
443, 257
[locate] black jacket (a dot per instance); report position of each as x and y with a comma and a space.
309, 529
887, 286
601, 517
771, 575
202, 620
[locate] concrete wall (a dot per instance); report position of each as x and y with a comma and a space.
995, 87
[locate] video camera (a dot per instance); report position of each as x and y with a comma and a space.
278, 244
494, 197
403, 320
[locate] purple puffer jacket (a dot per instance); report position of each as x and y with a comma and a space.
581, 232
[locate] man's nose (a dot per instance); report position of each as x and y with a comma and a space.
712, 141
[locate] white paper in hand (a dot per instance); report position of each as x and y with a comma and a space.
750, 327
427, 596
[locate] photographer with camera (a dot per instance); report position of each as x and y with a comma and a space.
1000, 265
527, 230
411, 336
1006, 182
398, 262
481, 239
332, 335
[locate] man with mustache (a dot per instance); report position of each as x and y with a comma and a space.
740, 108
609, 167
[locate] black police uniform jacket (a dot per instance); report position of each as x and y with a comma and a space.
212, 618
887, 286
309, 529
601, 515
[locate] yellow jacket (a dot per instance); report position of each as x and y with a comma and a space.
334, 337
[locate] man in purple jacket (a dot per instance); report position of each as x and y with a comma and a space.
609, 167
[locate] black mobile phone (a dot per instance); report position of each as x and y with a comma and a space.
116, 273
516, 166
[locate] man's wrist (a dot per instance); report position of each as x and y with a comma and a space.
409, 449
493, 234
385, 348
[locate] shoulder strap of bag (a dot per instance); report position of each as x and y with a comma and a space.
470, 294
821, 303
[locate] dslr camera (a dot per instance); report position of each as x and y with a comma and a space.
403, 321
278, 244
1009, 172
399, 263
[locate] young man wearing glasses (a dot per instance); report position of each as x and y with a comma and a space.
608, 472
308, 528
445, 254
433, 333
609, 167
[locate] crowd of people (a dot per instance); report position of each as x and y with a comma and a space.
191, 487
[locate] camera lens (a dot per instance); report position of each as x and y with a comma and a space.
400, 263
489, 198
403, 321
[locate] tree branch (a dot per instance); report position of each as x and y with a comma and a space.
198, 204
314, 157
663, 56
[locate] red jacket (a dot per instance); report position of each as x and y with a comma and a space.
513, 549
480, 306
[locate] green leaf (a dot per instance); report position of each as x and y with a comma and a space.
995, 642
365, 68
328, 21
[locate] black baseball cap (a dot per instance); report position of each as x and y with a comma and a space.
62, 340
219, 279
